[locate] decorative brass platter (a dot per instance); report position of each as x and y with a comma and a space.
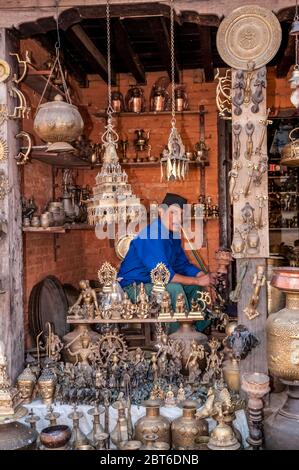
4, 70
250, 34
122, 246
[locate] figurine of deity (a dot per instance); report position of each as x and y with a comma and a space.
126, 312
196, 355
154, 366
181, 394
176, 350
88, 299
125, 381
46, 386
214, 360
169, 397
142, 310
101, 378
163, 349
180, 310
157, 393
142, 297
26, 384
86, 353
9, 396
165, 308
196, 311
54, 346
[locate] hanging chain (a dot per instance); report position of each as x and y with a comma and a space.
296, 12
110, 109
296, 53
172, 63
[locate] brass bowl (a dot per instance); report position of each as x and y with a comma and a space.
85, 447
129, 445
55, 436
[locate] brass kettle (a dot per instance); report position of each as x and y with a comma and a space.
290, 152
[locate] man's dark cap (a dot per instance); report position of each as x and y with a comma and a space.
171, 198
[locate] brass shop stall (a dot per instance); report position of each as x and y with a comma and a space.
121, 122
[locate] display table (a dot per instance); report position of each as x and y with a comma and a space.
136, 411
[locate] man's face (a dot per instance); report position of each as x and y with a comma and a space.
172, 218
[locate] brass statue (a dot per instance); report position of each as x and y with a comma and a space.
107, 275
181, 396
126, 311
46, 386
86, 353
165, 308
169, 397
180, 307
89, 308
154, 366
142, 296
196, 312
9, 396
197, 354
258, 282
157, 393
214, 360
163, 350
160, 276
26, 382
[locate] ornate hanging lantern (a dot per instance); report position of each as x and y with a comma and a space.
58, 122
174, 162
113, 200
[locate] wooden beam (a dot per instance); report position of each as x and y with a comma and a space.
162, 37
206, 52
75, 69
126, 52
90, 52
288, 58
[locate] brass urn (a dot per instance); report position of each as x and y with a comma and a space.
231, 374
283, 327
58, 123
187, 334
153, 423
186, 429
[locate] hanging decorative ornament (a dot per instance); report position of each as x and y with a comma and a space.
174, 162
58, 122
113, 200
294, 80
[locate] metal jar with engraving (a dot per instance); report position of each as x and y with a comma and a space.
186, 429
283, 327
58, 121
153, 423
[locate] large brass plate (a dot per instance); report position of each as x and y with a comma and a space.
4, 70
122, 246
250, 34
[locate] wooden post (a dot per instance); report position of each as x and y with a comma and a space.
249, 190
11, 258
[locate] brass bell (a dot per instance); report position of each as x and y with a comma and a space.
294, 31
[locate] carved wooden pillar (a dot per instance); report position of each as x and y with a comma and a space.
249, 196
11, 253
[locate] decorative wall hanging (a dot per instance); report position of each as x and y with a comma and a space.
23, 157
4, 70
113, 200
223, 94
3, 113
24, 64
3, 149
258, 282
21, 111
259, 83
248, 34
174, 162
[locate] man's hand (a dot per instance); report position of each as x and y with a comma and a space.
206, 280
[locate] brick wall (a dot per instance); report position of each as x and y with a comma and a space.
80, 253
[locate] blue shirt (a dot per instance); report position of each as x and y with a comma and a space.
154, 244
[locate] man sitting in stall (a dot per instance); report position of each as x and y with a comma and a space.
159, 242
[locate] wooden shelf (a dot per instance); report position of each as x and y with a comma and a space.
60, 160
278, 229
103, 114
37, 79
63, 229
121, 321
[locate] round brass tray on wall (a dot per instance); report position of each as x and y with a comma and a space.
4, 70
248, 35
122, 246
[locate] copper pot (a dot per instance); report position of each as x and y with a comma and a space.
153, 423
58, 121
187, 428
55, 437
283, 327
